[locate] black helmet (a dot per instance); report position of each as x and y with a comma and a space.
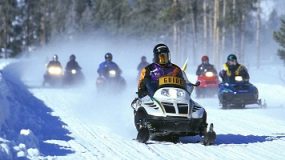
55, 57
108, 56
232, 57
72, 57
143, 58
161, 54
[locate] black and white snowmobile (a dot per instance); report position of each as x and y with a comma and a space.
170, 112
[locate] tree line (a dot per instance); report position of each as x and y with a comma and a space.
191, 27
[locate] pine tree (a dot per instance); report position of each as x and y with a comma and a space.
279, 37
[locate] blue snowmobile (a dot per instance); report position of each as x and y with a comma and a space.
238, 94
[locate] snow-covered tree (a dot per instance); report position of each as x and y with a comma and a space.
279, 37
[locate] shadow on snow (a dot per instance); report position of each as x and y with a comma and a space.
28, 112
242, 139
234, 139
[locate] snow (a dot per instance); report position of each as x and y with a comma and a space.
21, 111
79, 123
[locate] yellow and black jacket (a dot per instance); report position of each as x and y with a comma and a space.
229, 72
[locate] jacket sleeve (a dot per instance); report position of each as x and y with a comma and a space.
115, 66
67, 67
214, 69
142, 90
100, 69
198, 71
244, 73
222, 74
49, 64
77, 66
139, 67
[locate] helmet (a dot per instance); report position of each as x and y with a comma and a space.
143, 58
161, 54
205, 58
55, 57
72, 57
108, 56
232, 57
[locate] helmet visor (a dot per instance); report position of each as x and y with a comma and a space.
163, 58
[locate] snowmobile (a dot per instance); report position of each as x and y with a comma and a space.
238, 94
53, 75
209, 83
73, 76
169, 113
111, 81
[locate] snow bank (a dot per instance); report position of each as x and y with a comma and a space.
5, 62
25, 122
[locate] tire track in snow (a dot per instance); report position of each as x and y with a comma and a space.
100, 143
122, 148
78, 132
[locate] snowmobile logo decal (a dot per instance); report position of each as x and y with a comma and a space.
168, 80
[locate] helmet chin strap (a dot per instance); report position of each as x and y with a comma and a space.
163, 65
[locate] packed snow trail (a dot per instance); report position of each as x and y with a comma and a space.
102, 127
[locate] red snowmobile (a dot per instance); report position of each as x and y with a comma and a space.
209, 83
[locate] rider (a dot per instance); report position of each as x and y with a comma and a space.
142, 64
107, 65
161, 66
54, 62
72, 63
205, 66
232, 68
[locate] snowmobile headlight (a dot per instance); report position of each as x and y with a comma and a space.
54, 70
238, 78
173, 93
165, 92
73, 71
209, 74
112, 73
181, 93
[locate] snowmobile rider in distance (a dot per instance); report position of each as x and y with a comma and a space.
161, 66
205, 66
142, 64
72, 64
53, 68
231, 69
107, 65
54, 62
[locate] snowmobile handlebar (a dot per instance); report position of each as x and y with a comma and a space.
134, 102
196, 84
